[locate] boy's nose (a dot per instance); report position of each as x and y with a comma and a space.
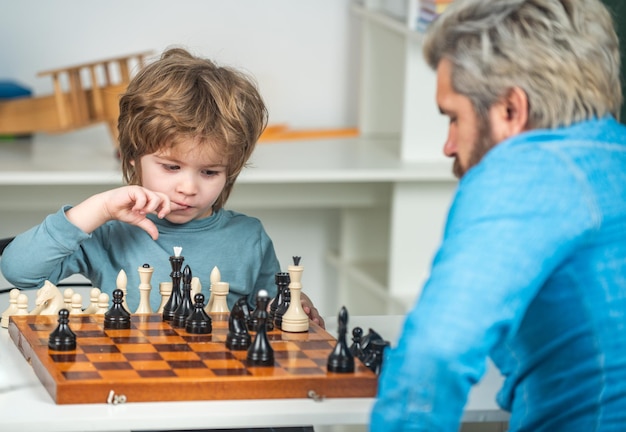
187, 186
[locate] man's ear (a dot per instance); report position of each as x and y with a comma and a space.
509, 116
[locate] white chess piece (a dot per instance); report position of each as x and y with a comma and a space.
121, 283
77, 304
145, 286
295, 320
49, 300
215, 278
67, 298
220, 293
12, 309
196, 286
22, 305
94, 293
165, 289
103, 304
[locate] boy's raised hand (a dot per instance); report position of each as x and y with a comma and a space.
128, 204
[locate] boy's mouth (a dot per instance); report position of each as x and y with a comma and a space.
179, 206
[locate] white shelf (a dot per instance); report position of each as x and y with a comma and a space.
370, 281
86, 158
387, 21
381, 18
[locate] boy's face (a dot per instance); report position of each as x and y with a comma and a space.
191, 175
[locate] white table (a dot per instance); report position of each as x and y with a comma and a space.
26, 406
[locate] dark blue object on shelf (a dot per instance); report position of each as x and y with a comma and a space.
11, 89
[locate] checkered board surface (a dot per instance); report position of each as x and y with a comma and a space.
153, 361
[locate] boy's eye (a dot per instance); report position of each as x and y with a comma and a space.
171, 167
209, 172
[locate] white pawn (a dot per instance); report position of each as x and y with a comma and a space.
145, 276
103, 304
77, 304
121, 282
93, 301
165, 289
67, 298
220, 293
12, 309
22, 305
196, 286
295, 320
215, 278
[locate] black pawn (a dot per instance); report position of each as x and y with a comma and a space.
185, 307
341, 359
62, 338
261, 353
355, 348
117, 317
261, 305
173, 302
238, 338
199, 322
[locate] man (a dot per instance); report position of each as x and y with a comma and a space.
531, 271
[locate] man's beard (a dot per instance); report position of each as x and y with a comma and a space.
484, 143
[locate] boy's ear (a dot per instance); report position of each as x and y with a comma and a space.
509, 116
132, 162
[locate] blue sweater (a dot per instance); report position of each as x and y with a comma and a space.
531, 272
237, 244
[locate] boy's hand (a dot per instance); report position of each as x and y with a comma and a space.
311, 311
128, 204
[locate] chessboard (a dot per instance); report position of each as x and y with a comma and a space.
152, 361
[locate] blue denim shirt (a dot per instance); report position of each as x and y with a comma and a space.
532, 273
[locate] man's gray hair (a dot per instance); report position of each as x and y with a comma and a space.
563, 53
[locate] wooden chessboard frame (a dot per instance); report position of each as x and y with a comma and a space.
155, 362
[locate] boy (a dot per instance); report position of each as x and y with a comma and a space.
186, 129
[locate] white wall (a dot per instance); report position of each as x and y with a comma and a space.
302, 52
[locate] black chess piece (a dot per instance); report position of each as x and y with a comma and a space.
253, 323
117, 317
175, 298
355, 348
185, 307
341, 359
374, 359
282, 280
366, 340
199, 322
62, 338
238, 338
282, 308
261, 353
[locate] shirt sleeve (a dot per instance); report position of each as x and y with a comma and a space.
513, 220
48, 251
